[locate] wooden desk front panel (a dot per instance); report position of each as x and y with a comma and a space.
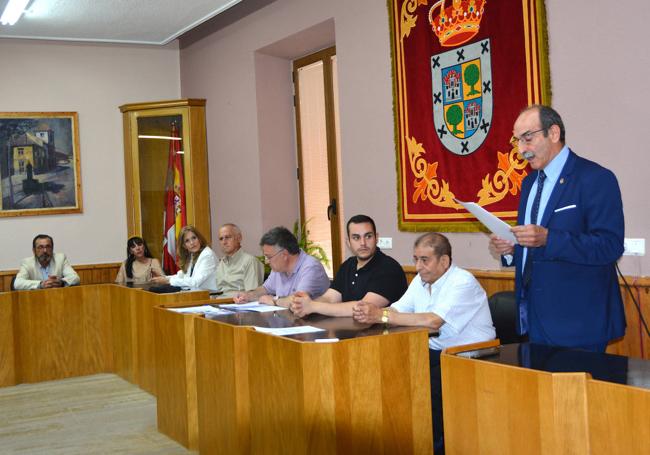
133, 332
7, 340
619, 418
145, 336
176, 376
491, 408
64, 333
222, 376
124, 332
363, 395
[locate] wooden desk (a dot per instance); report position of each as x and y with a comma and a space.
257, 393
59, 333
536, 399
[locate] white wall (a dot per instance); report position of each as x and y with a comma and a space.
92, 80
599, 70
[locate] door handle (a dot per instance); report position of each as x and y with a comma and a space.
331, 209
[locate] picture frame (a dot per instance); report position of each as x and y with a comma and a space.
40, 171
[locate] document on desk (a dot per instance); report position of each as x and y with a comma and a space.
494, 224
251, 306
282, 331
203, 309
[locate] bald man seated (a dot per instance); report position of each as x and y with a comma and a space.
238, 270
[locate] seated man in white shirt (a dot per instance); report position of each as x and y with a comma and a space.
237, 270
45, 269
442, 297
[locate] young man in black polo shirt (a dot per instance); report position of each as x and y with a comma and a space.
367, 275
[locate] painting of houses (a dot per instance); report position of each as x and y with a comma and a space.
39, 164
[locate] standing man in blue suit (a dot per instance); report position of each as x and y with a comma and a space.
569, 237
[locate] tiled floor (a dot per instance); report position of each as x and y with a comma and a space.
100, 414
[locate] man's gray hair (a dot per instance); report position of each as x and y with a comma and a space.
438, 242
282, 238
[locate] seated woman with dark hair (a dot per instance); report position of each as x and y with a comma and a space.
197, 261
140, 266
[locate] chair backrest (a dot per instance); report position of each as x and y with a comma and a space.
503, 308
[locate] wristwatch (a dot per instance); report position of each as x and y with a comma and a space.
384, 316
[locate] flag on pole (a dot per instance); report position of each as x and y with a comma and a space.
174, 216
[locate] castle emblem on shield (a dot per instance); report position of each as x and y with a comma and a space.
462, 96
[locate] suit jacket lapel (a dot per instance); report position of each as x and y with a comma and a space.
560, 185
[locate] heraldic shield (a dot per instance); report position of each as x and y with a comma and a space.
462, 96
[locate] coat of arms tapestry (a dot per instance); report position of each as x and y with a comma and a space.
462, 72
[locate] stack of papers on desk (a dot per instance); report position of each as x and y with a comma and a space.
203, 309
282, 331
251, 306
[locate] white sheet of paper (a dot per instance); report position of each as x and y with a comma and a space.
252, 306
200, 310
494, 224
288, 330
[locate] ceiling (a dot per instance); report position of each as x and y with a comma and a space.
113, 21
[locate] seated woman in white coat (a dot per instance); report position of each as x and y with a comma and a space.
197, 261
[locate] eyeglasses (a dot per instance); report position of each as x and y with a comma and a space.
268, 258
43, 247
525, 138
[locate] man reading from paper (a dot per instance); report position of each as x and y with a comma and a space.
569, 237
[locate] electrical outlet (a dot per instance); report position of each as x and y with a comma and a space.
634, 247
385, 243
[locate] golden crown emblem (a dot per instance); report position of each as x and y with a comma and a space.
457, 23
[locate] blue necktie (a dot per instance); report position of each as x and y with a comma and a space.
533, 220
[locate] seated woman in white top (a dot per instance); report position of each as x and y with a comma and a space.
140, 266
197, 261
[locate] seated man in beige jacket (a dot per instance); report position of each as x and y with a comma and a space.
45, 269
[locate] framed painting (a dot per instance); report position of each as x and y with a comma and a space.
39, 163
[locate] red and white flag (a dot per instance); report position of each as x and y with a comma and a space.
174, 216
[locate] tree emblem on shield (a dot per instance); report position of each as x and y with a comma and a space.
462, 96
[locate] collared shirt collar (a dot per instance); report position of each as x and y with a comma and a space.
45, 271
371, 261
440, 281
301, 258
555, 166
232, 257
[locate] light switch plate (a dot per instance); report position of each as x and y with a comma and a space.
385, 243
634, 247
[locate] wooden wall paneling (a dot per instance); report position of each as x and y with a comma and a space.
222, 387
636, 342
88, 273
176, 376
5, 280
8, 347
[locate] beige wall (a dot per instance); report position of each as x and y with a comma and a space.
598, 75
92, 80
599, 72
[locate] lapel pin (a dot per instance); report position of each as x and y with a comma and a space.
562, 181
